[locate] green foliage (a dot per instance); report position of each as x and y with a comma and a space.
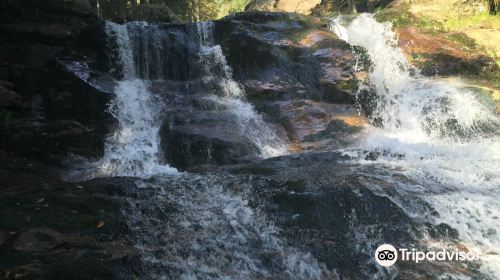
463, 40
402, 17
185, 10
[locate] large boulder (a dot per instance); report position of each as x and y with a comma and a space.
284, 56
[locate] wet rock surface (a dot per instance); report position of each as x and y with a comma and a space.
341, 211
52, 65
54, 229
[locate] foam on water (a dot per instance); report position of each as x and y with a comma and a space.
231, 95
444, 135
194, 228
133, 148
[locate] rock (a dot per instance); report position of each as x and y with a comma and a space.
201, 131
53, 60
4, 235
8, 97
292, 6
341, 211
317, 125
101, 83
38, 240
58, 238
302, 62
190, 145
437, 55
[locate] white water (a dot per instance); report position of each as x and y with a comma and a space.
211, 234
448, 137
133, 149
231, 95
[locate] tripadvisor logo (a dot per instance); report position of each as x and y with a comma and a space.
387, 255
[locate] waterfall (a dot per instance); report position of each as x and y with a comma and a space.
231, 95
214, 234
445, 136
133, 149
212, 221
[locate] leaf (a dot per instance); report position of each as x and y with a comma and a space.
100, 224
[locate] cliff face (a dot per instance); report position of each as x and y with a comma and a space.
52, 105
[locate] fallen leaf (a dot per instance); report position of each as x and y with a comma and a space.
100, 224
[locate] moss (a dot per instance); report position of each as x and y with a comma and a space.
297, 35
449, 29
350, 85
463, 40
401, 17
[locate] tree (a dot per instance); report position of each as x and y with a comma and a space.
352, 6
493, 6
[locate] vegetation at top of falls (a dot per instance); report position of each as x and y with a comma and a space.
459, 23
200, 10
182, 10
441, 21
468, 24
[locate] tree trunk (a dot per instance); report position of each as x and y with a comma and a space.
493, 8
351, 6
98, 8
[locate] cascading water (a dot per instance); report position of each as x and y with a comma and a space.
210, 232
213, 233
133, 149
230, 94
443, 135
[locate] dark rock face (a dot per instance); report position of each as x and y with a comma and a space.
51, 229
53, 66
285, 56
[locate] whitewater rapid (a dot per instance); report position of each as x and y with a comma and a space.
231, 95
134, 147
444, 136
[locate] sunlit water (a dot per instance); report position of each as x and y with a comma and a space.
231, 95
443, 135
